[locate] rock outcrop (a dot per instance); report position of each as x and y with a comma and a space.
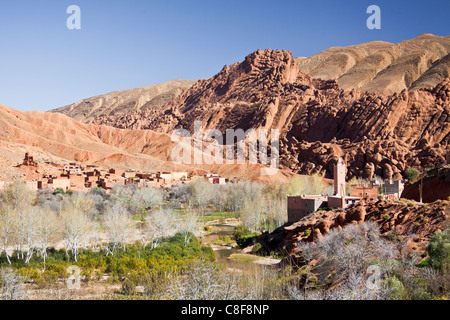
405, 221
318, 120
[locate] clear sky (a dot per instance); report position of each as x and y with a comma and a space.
127, 44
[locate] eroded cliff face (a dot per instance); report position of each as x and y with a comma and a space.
318, 121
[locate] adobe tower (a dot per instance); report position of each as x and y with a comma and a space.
339, 178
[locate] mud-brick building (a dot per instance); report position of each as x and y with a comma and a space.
365, 191
73, 169
28, 161
300, 206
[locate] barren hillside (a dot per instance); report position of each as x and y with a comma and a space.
58, 138
119, 102
383, 67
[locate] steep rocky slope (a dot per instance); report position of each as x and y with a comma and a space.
383, 67
119, 102
318, 120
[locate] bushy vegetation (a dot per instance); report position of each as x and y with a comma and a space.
439, 251
171, 256
243, 236
356, 263
260, 206
146, 238
412, 174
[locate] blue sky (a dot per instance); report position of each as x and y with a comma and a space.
127, 44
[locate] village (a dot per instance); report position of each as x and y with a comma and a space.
299, 206
76, 177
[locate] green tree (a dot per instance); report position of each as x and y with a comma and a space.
412, 174
439, 250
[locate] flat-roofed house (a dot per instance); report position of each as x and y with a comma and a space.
73, 168
393, 189
365, 191
59, 183
301, 206
167, 176
32, 185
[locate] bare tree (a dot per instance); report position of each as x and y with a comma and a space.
314, 184
252, 215
343, 259
204, 281
201, 194
160, 225
11, 285
147, 198
75, 226
28, 232
119, 227
8, 221
83, 202
18, 197
48, 225
122, 194
188, 226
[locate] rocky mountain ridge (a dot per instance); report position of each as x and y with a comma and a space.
124, 101
318, 121
59, 138
378, 66
384, 67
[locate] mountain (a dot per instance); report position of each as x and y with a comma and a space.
318, 120
54, 137
384, 67
118, 102
378, 66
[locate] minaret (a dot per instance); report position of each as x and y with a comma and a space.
339, 178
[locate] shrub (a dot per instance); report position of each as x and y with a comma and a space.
420, 293
243, 236
128, 287
439, 251
412, 174
397, 289
223, 240
256, 248
58, 191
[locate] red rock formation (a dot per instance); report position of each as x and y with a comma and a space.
318, 121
